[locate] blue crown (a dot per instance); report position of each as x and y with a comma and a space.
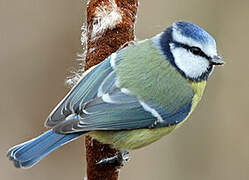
194, 32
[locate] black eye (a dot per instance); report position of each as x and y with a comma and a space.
196, 50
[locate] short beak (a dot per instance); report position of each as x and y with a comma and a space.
217, 60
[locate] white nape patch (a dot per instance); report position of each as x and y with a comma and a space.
152, 111
107, 16
208, 48
193, 66
156, 40
112, 60
106, 98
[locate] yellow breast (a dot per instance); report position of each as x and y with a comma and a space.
198, 88
131, 139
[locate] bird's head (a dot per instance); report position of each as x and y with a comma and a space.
190, 49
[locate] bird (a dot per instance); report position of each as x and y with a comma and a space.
134, 97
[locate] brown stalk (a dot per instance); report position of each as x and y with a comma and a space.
100, 47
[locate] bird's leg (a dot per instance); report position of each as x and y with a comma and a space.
120, 158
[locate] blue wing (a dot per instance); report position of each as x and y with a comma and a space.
85, 90
99, 104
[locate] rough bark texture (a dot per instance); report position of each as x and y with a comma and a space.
98, 48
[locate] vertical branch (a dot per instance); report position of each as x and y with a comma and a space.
110, 24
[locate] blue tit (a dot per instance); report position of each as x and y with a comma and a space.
134, 97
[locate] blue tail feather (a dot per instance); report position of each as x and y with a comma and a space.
31, 152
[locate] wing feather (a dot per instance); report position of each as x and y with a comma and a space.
83, 91
101, 104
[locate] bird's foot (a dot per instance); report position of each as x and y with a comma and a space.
120, 159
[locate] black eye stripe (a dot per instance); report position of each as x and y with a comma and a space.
197, 51
193, 49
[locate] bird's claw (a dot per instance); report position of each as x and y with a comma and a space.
120, 158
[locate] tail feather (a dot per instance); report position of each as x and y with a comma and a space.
31, 152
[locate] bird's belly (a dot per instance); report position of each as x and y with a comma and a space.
131, 139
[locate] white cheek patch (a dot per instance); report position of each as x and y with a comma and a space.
208, 48
193, 66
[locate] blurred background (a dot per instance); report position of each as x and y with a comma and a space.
39, 42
